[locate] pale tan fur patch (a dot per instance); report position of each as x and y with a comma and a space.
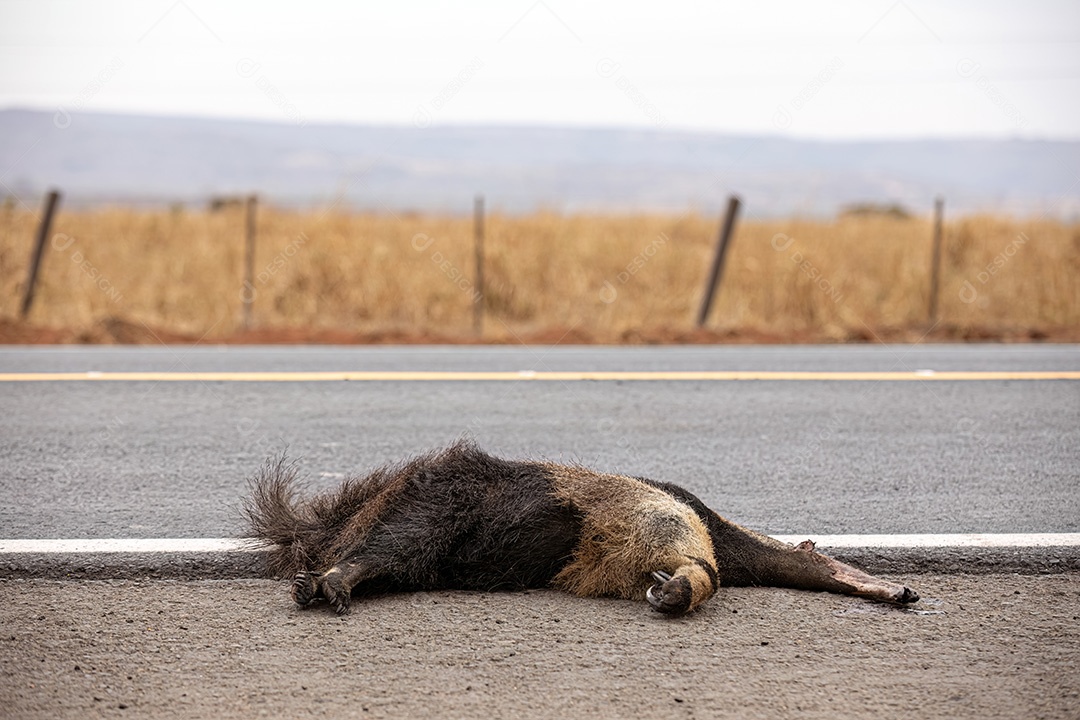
700, 583
630, 529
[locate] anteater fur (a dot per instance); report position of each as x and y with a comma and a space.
459, 518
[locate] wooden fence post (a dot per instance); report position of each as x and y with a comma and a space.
51, 201
717, 271
478, 237
935, 260
250, 206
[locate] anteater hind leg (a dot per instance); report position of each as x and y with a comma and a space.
305, 588
335, 585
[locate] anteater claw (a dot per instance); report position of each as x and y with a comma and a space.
335, 592
304, 588
670, 596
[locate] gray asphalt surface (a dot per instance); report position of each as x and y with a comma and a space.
170, 459
511, 358
144, 459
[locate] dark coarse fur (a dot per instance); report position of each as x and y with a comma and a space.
457, 518
460, 518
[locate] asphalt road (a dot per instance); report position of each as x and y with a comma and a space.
160, 459
509, 358
170, 459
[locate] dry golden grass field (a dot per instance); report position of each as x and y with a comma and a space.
118, 275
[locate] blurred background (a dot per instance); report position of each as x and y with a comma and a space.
538, 172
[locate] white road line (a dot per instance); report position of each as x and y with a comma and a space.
207, 545
125, 545
970, 540
538, 376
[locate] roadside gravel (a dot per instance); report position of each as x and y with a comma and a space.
984, 646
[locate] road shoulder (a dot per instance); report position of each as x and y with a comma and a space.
991, 645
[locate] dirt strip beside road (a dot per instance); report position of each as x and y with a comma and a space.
982, 646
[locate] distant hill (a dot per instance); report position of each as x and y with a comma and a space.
97, 158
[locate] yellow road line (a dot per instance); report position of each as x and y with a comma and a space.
411, 376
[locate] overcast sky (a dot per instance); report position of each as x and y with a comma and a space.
844, 70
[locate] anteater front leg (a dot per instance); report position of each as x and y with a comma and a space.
692, 584
644, 537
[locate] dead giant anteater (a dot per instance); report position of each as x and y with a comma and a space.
461, 519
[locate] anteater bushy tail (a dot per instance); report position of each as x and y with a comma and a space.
308, 534
279, 518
